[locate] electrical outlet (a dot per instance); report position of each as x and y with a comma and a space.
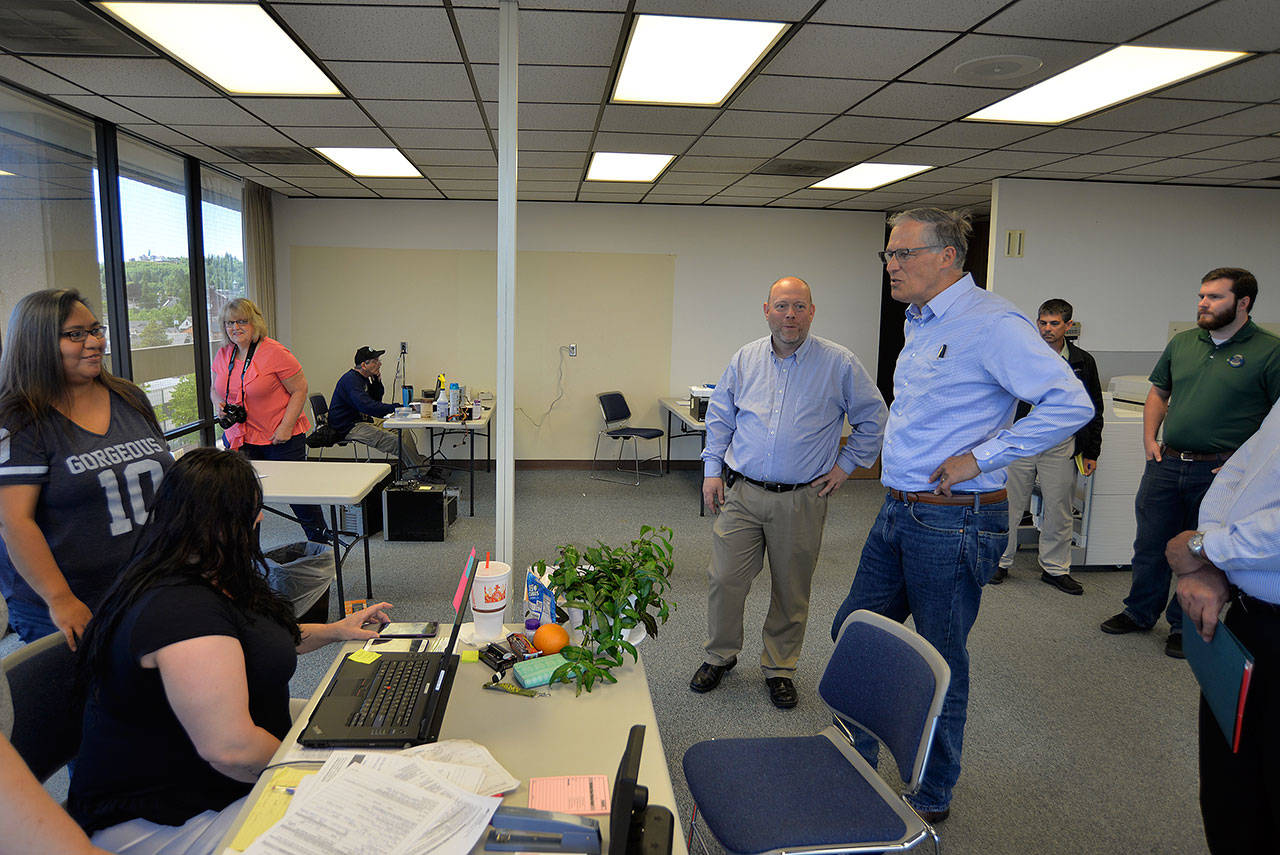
573, 350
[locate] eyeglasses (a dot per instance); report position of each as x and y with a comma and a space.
241, 322
904, 254
98, 332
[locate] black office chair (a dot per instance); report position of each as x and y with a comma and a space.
616, 413
47, 716
322, 435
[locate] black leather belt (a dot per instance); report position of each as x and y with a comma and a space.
1253, 604
954, 499
1195, 456
771, 486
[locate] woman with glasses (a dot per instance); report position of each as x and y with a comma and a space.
259, 390
81, 457
187, 667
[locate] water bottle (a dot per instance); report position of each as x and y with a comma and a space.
455, 399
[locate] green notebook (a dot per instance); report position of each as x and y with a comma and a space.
1223, 667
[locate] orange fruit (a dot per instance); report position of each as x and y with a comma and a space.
550, 638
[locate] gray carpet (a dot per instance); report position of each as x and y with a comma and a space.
1077, 742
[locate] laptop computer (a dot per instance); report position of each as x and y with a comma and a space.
396, 701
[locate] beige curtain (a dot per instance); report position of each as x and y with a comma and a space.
260, 251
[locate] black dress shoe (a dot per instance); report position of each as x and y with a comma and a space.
1121, 624
1173, 646
1063, 582
934, 817
1001, 574
782, 692
707, 677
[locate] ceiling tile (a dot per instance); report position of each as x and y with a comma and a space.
670, 199
1256, 79
190, 111
439, 138
822, 195
772, 182
642, 143
461, 157
550, 117
1125, 178
1262, 148
397, 34
701, 163
217, 135
103, 109
447, 184
203, 153
789, 202
616, 186
965, 175
753, 123
550, 84
753, 10
819, 50
127, 76
974, 134
1053, 56
867, 129
1011, 161
831, 150
302, 170
525, 195
739, 146
36, 78
554, 140
924, 155
426, 192
1074, 140
678, 176
1049, 173
744, 201
802, 94
546, 38
159, 133
550, 186
1215, 182
1226, 25
442, 81
1170, 145
484, 173
655, 119
1099, 163
335, 183
424, 114
923, 101
343, 193
549, 173
1246, 171
574, 159
381, 184
1156, 114
679, 189
1090, 20
1176, 166
306, 112
953, 15
351, 137
1263, 119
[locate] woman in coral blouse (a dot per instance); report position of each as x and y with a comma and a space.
260, 390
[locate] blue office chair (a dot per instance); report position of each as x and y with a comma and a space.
822, 795
616, 413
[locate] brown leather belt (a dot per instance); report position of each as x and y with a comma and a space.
1201, 457
954, 499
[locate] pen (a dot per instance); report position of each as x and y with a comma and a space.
941, 352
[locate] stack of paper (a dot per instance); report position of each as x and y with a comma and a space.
434, 798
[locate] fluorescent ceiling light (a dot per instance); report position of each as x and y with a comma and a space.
621, 166
2, 172
868, 176
372, 162
1119, 74
699, 61
236, 45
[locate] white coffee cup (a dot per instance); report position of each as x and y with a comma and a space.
490, 594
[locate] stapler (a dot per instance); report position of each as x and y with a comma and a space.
517, 829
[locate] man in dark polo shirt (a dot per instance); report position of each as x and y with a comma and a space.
1211, 389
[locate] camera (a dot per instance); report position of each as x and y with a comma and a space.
232, 414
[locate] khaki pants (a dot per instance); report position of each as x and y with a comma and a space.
752, 522
1056, 469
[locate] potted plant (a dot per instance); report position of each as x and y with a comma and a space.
617, 589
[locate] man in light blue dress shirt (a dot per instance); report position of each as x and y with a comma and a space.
772, 458
1235, 557
968, 358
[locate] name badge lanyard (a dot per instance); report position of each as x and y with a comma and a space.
248, 357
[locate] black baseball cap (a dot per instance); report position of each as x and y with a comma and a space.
364, 354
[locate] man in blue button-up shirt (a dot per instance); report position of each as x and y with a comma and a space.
772, 457
968, 358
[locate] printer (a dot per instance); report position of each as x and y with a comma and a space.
699, 397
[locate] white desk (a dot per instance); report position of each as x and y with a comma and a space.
535, 737
689, 426
299, 482
470, 427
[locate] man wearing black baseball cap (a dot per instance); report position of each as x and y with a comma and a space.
357, 399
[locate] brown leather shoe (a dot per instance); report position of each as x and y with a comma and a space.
708, 676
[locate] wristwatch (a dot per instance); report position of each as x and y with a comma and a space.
1195, 545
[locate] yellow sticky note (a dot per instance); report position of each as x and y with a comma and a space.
469, 656
365, 656
270, 806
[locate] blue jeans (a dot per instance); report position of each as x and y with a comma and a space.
930, 562
1168, 503
310, 517
30, 621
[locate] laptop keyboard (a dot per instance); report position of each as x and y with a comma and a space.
396, 688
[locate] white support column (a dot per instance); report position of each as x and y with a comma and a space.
508, 96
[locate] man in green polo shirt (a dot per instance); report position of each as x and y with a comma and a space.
1211, 389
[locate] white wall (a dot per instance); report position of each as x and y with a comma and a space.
725, 260
1129, 257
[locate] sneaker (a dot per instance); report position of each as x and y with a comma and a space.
1063, 582
1173, 646
1121, 624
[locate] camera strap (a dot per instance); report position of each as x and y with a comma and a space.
248, 357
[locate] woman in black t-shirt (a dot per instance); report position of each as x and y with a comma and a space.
187, 663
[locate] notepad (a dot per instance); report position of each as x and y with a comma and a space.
581, 794
1223, 668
